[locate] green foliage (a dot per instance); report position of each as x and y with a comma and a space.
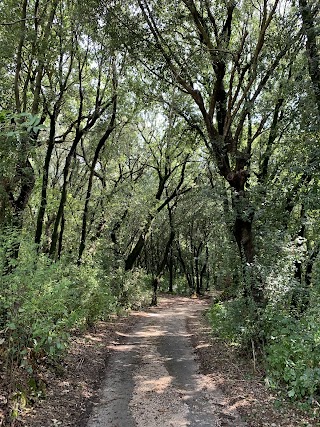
42, 302
235, 321
180, 285
131, 289
18, 125
293, 354
63, 68
291, 345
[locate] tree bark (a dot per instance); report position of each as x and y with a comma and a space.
45, 181
135, 252
230, 102
25, 175
311, 32
55, 234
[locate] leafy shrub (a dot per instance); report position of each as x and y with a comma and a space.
236, 321
41, 302
291, 346
132, 289
293, 355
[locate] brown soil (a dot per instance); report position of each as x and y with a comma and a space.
72, 392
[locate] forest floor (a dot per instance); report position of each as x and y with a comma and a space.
227, 389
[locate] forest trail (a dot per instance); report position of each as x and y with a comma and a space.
153, 379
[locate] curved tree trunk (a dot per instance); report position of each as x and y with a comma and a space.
311, 32
99, 147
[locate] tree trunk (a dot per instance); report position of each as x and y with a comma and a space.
55, 234
134, 254
60, 243
99, 147
136, 250
25, 174
161, 266
311, 32
184, 267
170, 267
44, 188
244, 214
155, 285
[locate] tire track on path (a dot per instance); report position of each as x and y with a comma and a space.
153, 378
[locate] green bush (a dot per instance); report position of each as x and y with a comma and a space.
132, 289
236, 321
42, 301
291, 346
293, 355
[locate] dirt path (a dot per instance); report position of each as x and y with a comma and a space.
153, 379
142, 371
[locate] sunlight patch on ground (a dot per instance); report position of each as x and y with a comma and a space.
93, 338
155, 385
120, 347
202, 346
150, 333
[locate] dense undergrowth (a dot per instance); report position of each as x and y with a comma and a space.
42, 303
284, 344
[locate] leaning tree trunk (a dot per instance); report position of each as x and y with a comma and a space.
310, 29
136, 251
99, 147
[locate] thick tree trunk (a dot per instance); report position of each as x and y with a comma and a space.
244, 238
155, 285
311, 31
136, 250
113, 234
243, 233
